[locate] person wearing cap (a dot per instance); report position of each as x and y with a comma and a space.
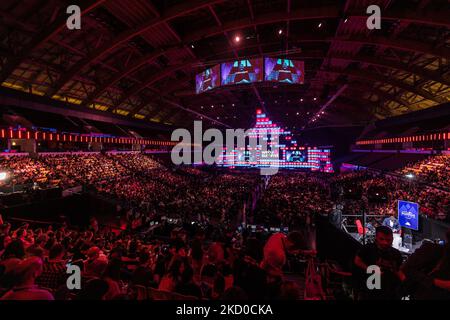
25, 289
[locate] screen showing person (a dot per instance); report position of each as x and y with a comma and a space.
284, 70
207, 80
242, 71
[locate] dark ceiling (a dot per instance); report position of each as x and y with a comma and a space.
138, 58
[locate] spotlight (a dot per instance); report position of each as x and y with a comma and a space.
320, 25
232, 105
346, 19
212, 106
280, 31
322, 112
315, 99
3, 176
192, 46
298, 113
237, 39
409, 176
301, 100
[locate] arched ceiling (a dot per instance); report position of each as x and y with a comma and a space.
138, 58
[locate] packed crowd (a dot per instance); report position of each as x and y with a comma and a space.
433, 170
425, 275
73, 170
292, 199
139, 183
135, 161
161, 192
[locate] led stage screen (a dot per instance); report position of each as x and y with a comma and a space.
284, 70
207, 80
242, 71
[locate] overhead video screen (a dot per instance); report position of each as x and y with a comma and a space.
284, 70
207, 80
242, 71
